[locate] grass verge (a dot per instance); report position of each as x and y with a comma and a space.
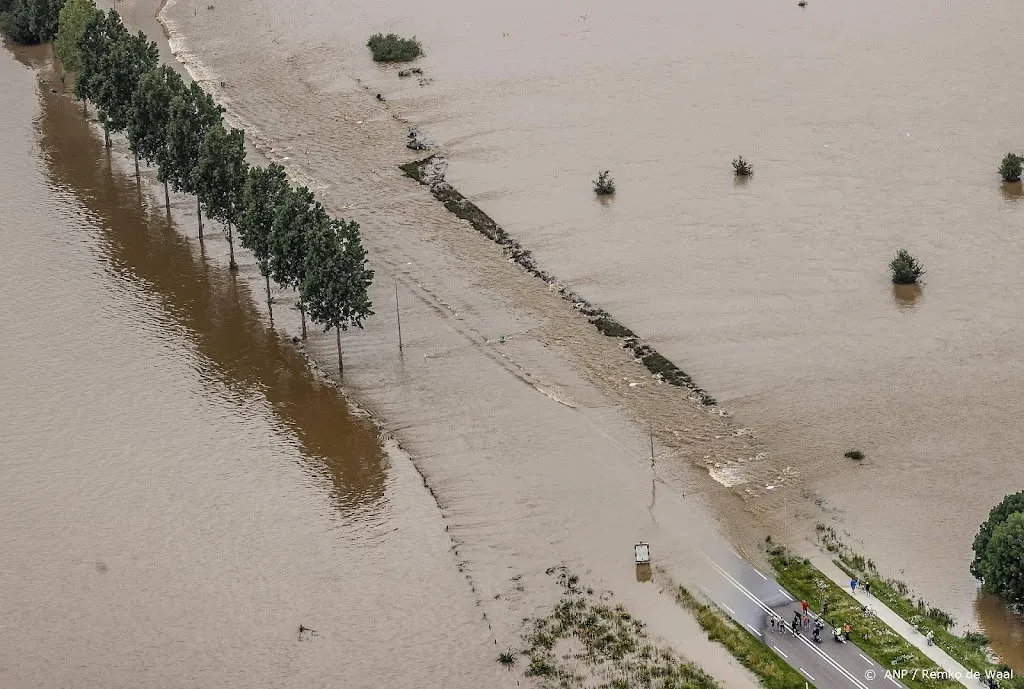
772, 670
873, 636
586, 641
970, 649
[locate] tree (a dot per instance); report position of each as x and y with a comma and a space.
604, 185
92, 47
1009, 505
148, 118
128, 58
261, 196
191, 114
74, 17
905, 269
297, 215
219, 176
336, 279
30, 21
741, 167
1012, 167
1001, 567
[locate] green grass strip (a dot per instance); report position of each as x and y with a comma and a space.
773, 671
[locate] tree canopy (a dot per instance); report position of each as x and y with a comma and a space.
220, 172
128, 57
191, 114
150, 110
1009, 505
261, 195
30, 21
336, 278
71, 28
1002, 567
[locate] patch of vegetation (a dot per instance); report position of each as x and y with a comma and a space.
585, 641
507, 658
872, 635
741, 167
611, 327
409, 72
394, 48
30, 21
772, 670
905, 269
854, 454
999, 550
1011, 167
970, 650
604, 185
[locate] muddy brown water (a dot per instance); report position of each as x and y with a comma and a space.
178, 493
871, 126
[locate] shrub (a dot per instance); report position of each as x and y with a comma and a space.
854, 454
742, 167
394, 48
604, 185
905, 268
1011, 167
507, 658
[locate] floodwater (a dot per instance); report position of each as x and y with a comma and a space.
178, 492
871, 126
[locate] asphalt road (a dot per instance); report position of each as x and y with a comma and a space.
752, 598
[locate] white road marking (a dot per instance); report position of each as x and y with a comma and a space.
892, 680
764, 606
786, 595
731, 611
809, 675
754, 630
866, 659
761, 575
780, 651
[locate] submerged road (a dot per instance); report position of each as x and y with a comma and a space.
753, 599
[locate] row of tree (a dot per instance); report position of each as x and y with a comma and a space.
179, 128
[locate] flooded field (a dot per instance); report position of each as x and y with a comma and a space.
870, 126
179, 492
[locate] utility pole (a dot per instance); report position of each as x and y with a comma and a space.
398, 314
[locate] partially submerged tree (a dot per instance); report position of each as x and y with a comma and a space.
741, 167
297, 216
905, 269
604, 185
191, 114
30, 21
219, 176
129, 58
1009, 505
1011, 167
92, 48
261, 196
71, 27
1000, 566
394, 48
149, 116
334, 287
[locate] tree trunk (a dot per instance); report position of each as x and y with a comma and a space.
167, 197
85, 107
302, 310
341, 359
136, 165
106, 135
266, 277
199, 214
231, 250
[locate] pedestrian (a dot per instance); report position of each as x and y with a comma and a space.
806, 621
846, 631
803, 606
796, 629
824, 608
773, 622
930, 638
867, 587
853, 586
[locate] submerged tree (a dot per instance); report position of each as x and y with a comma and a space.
604, 185
334, 287
297, 216
741, 167
905, 269
149, 116
191, 114
30, 21
261, 196
1000, 566
130, 57
219, 176
1000, 513
1012, 167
